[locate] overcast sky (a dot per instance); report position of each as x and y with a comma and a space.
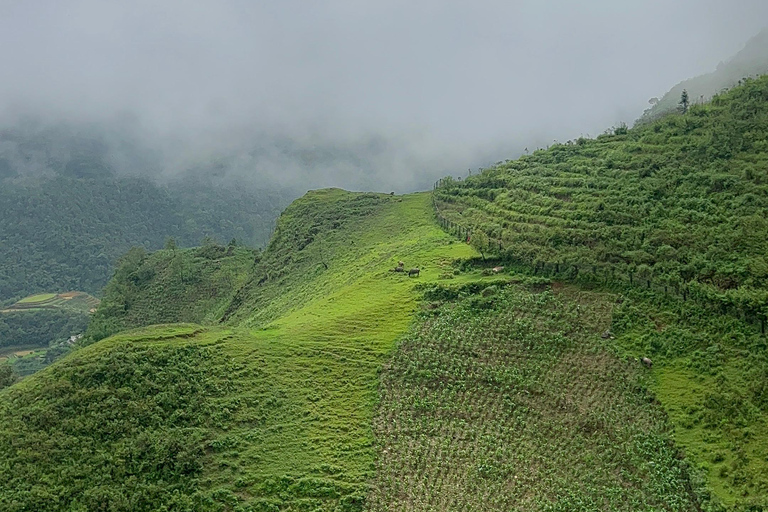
450, 82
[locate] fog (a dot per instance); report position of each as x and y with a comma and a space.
362, 95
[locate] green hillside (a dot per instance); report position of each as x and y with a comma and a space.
274, 402
170, 286
507, 375
680, 204
74, 198
751, 61
673, 214
65, 233
282, 409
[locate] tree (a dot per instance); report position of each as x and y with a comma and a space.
7, 375
479, 241
684, 102
170, 244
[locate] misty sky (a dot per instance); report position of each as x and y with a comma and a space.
444, 83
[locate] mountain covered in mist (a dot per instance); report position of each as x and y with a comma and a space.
73, 200
599, 344
749, 62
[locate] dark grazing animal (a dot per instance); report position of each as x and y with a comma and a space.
399, 269
413, 272
647, 362
400, 263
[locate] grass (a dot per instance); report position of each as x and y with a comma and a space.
38, 299
290, 425
171, 285
318, 362
709, 374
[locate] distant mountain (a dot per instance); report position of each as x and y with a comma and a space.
72, 202
749, 62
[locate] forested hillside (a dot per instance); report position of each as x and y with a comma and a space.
748, 63
680, 205
172, 285
68, 210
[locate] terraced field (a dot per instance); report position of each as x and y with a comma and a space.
75, 301
679, 205
41, 298
511, 400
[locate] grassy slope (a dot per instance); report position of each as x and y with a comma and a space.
710, 375
287, 418
320, 359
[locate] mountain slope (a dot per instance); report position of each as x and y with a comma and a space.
673, 215
171, 286
65, 233
282, 418
749, 62
680, 203
75, 198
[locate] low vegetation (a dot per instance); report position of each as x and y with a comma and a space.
510, 400
171, 285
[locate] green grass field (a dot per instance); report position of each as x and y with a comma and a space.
38, 299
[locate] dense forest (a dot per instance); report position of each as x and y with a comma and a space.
680, 205
31, 328
68, 211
